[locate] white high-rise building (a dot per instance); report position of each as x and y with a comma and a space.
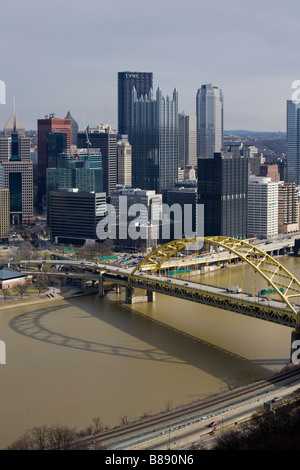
209, 112
124, 157
262, 207
293, 142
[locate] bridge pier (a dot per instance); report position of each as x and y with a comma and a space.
130, 298
101, 292
83, 284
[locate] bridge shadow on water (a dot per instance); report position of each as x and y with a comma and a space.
168, 344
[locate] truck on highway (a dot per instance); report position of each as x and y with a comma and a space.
234, 289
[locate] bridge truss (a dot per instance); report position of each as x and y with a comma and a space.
280, 281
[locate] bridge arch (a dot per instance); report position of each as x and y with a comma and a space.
285, 284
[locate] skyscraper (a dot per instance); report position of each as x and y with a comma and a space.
262, 207
154, 141
223, 189
46, 126
56, 144
142, 82
187, 140
209, 112
74, 215
18, 174
124, 158
288, 208
104, 138
293, 142
80, 169
74, 128
4, 214
13, 123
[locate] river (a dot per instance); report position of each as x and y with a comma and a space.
70, 361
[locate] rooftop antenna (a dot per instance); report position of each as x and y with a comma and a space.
88, 142
14, 115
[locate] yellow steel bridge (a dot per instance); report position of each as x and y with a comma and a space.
181, 268
276, 302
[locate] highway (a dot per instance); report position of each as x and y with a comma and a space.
184, 426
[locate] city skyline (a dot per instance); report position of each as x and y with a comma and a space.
70, 60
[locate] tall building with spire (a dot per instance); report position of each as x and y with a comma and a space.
209, 112
18, 171
13, 123
154, 141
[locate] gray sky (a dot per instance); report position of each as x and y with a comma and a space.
65, 55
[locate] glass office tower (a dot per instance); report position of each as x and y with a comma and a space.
223, 190
142, 82
293, 142
209, 112
154, 141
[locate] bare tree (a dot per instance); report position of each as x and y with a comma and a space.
46, 438
124, 420
25, 250
22, 289
98, 425
6, 293
61, 437
168, 405
41, 282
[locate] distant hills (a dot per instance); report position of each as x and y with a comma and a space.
256, 135
272, 144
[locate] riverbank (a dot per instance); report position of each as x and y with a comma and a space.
49, 296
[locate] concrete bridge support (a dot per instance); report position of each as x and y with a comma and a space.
130, 298
83, 284
101, 292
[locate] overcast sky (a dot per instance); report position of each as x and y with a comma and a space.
65, 55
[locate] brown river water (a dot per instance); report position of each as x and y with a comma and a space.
72, 360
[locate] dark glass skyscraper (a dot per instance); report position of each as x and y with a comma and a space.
56, 144
223, 189
154, 141
142, 82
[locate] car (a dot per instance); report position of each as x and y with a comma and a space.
203, 418
214, 423
275, 399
